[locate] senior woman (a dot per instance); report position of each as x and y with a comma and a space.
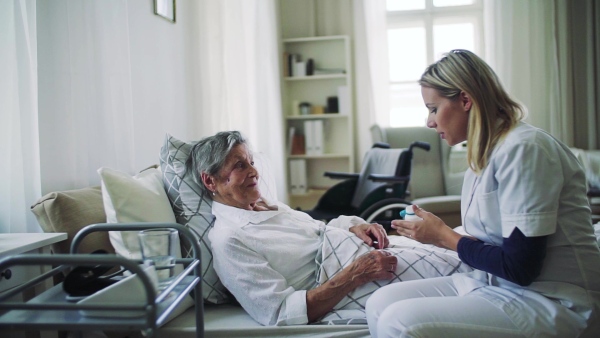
272, 258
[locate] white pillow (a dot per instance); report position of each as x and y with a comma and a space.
141, 198
127, 199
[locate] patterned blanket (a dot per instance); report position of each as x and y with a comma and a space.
415, 261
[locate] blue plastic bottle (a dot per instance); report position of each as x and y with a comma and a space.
408, 214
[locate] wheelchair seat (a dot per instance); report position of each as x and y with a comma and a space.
383, 180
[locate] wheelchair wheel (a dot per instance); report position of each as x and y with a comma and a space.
384, 211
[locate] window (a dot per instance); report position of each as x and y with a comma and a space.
419, 32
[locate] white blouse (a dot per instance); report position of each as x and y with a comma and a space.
266, 259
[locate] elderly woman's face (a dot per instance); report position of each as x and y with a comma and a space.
236, 183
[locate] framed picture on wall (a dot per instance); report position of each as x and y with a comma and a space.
165, 8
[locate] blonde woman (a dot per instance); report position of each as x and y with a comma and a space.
526, 221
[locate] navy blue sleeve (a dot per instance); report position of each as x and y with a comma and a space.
518, 260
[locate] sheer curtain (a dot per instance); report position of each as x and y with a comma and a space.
372, 79
238, 75
522, 47
546, 53
20, 169
85, 92
112, 78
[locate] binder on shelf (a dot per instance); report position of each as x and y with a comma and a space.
298, 176
318, 135
313, 131
291, 134
344, 101
309, 137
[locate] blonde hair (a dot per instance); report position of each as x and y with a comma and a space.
493, 112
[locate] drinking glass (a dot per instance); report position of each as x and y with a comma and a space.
159, 246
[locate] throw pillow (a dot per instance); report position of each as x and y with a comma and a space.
192, 209
69, 211
132, 199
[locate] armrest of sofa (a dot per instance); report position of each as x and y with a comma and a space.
445, 207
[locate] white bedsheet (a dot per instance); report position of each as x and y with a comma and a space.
231, 321
228, 320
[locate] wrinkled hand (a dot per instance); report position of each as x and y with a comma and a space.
375, 265
371, 233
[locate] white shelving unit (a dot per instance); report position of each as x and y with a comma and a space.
327, 52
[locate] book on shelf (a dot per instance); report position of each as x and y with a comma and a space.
291, 63
298, 176
298, 145
286, 64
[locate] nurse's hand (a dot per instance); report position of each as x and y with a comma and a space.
372, 234
430, 230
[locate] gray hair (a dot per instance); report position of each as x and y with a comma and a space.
209, 154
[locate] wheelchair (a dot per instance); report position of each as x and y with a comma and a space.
378, 193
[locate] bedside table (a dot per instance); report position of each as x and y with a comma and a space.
26, 243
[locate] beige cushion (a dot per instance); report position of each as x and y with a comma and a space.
69, 211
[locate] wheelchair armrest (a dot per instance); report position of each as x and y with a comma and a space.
340, 176
389, 179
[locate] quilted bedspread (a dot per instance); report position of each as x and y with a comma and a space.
415, 261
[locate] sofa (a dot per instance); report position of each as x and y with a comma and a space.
163, 193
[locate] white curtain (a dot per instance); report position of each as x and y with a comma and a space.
112, 79
20, 169
85, 96
544, 51
522, 47
372, 80
238, 76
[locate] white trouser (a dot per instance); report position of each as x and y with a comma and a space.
432, 308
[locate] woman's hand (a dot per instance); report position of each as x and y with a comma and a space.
372, 234
430, 230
